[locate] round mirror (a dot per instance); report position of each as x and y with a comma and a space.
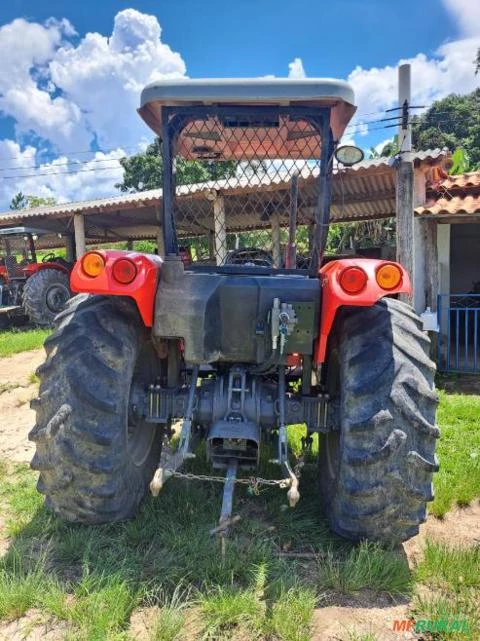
349, 155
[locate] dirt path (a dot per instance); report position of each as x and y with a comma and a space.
16, 417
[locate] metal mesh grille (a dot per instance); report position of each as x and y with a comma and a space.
247, 190
14, 255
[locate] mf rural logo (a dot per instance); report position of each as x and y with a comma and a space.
449, 624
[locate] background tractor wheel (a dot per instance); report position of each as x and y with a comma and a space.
45, 295
376, 470
94, 453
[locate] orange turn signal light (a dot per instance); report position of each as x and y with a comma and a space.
93, 264
124, 271
389, 276
353, 280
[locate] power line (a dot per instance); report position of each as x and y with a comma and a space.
58, 173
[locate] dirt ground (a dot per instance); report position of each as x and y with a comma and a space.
364, 614
16, 391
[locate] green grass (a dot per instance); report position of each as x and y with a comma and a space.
450, 568
364, 566
14, 341
93, 577
458, 481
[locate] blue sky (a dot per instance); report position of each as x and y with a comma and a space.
72, 72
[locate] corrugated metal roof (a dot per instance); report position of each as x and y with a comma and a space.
375, 180
363, 192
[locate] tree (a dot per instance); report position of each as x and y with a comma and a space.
145, 170
22, 201
453, 122
390, 148
476, 62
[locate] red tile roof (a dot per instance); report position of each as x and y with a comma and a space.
450, 206
452, 196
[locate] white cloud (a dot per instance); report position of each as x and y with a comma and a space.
467, 15
66, 93
295, 69
69, 94
104, 76
450, 70
63, 179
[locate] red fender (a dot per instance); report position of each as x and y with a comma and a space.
33, 268
333, 296
142, 289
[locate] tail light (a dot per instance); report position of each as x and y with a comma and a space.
353, 280
93, 264
124, 271
389, 276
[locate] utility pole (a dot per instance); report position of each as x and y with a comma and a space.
405, 178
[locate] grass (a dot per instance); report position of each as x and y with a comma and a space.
458, 481
450, 568
14, 341
92, 578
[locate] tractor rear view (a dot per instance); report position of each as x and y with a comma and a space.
243, 338
38, 290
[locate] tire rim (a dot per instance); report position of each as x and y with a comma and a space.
57, 297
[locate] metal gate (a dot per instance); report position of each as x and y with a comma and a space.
458, 339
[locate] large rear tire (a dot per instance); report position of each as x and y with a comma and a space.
45, 295
376, 469
95, 457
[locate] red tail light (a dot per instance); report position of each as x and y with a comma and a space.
124, 271
353, 280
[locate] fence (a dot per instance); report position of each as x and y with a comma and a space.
458, 341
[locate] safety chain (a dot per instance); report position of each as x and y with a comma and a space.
252, 482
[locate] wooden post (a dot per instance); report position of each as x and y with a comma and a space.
211, 245
405, 178
220, 230
276, 250
69, 248
431, 264
130, 244
79, 227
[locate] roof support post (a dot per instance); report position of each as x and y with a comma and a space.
69, 248
276, 251
79, 227
220, 226
419, 277
160, 235
405, 178
211, 245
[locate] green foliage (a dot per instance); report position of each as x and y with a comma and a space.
460, 162
452, 122
144, 170
22, 201
390, 148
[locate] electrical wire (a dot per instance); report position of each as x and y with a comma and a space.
435, 122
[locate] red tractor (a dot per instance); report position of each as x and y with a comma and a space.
237, 350
39, 290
